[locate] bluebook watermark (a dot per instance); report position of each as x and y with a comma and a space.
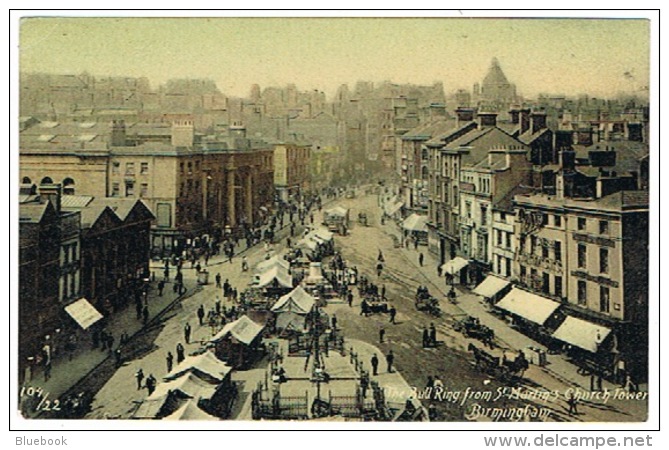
23, 440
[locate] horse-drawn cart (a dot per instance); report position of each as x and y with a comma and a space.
427, 303
471, 327
506, 369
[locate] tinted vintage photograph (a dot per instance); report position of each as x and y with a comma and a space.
332, 219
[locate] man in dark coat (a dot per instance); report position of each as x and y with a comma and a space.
180, 353
200, 314
187, 331
433, 335
390, 358
426, 338
375, 365
393, 313
139, 376
170, 361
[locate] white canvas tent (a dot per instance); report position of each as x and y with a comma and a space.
188, 384
190, 411
276, 274
243, 330
206, 366
275, 260
297, 301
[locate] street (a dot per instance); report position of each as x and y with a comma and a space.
467, 394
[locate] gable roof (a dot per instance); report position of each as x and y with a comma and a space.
297, 301
243, 329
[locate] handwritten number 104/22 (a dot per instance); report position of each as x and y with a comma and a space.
44, 404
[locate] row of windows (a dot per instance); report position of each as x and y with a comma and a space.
503, 239
130, 168
543, 282
603, 225
603, 258
69, 253
604, 296
545, 244
129, 189
67, 183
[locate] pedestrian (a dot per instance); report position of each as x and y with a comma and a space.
170, 361
350, 299
245, 264
161, 286
200, 314
334, 322
389, 359
383, 291
571, 401
187, 331
180, 353
420, 259
379, 269
426, 338
288, 242
439, 269
393, 313
382, 333
198, 268
151, 383
375, 364
433, 334
415, 243
166, 274
139, 375
145, 315
438, 386
218, 280
117, 357
217, 306
175, 287
380, 257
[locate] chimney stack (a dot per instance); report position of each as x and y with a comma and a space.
515, 115
524, 120
183, 133
464, 115
118, 136
52, 193
487, 119
538, 121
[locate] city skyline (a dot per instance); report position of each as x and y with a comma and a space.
324, 53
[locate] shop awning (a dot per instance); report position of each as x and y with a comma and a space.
454, 266
392, 208
491, 286
530, 306
581, 333
83, 313
415, 223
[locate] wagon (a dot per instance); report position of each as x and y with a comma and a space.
471, 327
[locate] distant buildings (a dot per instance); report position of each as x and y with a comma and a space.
291, 169
495, 93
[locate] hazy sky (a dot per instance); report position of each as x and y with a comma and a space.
600, 57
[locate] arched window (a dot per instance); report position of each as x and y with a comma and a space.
26, 180
46, 180
424, 173
68, 186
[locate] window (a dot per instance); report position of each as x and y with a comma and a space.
130, 168
523, 272
116, 168
115, 190
603, 260
484, 216
544, 219
181, 167
46, 180
499, 238
545, 283
557, 219
604, 299
144, 167
508, 267
129, 188
558, 286
68, 186
582, 293
580, 223
26, 180
74, 252
502, 217
558, 251
581, 256
66, 254
143, 190
603, 227
468, 210
533, 245
455, 195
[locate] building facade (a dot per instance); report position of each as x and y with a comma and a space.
291, 169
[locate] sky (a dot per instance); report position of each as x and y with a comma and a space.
601, 57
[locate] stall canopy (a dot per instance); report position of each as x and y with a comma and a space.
291, 321
275, 260
337, 211
150, 409
243, 329
190, 411
188, 385
297, 301
532, 307
306, 243
491, 286
206, 366
321, 234
454, 266
415, 223
83, 313
275, 273
581, 333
